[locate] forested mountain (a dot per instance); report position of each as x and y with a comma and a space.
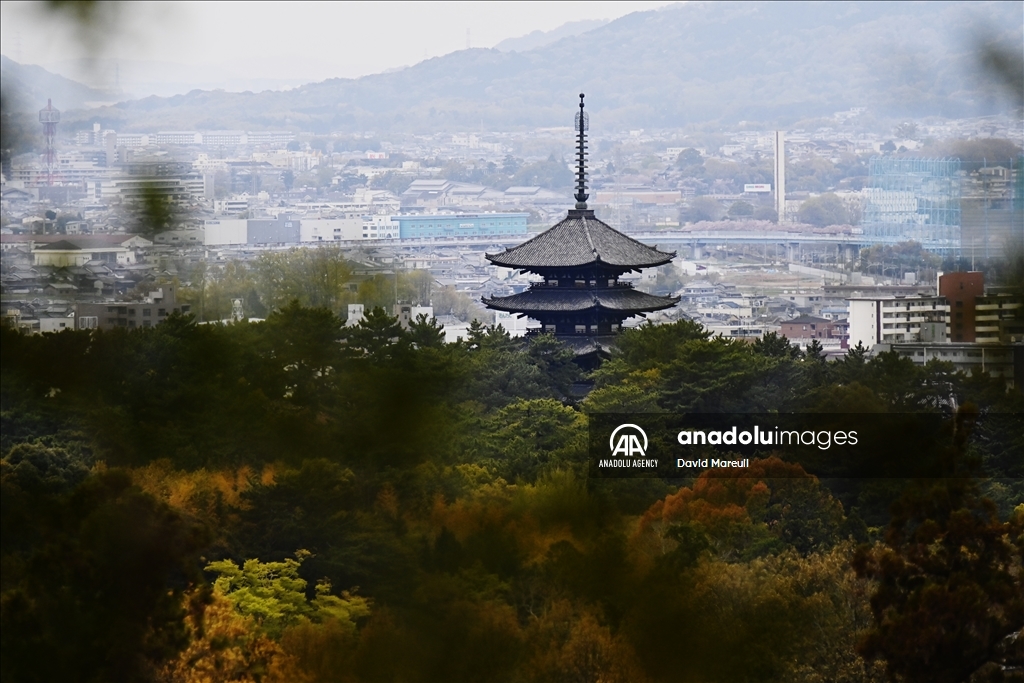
536, 39
30, 86
728, 61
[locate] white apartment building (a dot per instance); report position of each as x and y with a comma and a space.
232, 206
205, 164
896, 320
177, 189
177, 137
131, 140
998, 318
280, 158
347, 227
269, 137
380, 228
224, 138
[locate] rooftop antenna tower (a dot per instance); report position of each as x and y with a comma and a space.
49, 117
582, 126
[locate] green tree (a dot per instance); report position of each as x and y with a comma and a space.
815, 352
426, 334
689, 158
741, 209
905, 257
301, 347
510, 165
274, 595
447, 301
393, 182
812, 174
553, 174
96, 593
317, 505
531, 436
775, 345
316, 277
270, 592
702, 209
826, 209
378, 336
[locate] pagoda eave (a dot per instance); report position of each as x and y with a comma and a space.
619, 301
580, 240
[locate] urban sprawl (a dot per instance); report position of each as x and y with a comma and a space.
833, 237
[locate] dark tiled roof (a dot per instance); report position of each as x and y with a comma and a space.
805, 319
579, 240
61, 242
63, 245
615, 299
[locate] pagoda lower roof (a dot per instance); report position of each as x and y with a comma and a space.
542, 299
581, 344
578, 240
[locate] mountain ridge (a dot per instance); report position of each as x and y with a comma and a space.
536, 39
682, 64
30, 86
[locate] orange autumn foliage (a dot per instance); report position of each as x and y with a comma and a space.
201, 492
771, 499
719, 498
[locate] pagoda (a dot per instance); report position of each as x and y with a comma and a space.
581, 299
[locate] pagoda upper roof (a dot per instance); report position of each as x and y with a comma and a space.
579, 240
543, 299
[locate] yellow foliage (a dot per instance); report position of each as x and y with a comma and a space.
522, 520
228, 648
570, 644
199, 492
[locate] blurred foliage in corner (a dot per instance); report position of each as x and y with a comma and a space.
16, 127
91, 23
154, 211
92, 20
1006, 67
18, 132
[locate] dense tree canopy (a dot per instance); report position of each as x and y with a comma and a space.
827, 209
298, 499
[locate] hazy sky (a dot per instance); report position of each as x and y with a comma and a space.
304, 41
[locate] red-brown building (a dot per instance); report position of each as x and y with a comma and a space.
961, 290
808, 327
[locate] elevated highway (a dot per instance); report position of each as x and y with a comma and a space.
697, 241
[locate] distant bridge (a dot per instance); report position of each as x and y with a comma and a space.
697, 242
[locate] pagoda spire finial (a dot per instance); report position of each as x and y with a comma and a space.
582, 126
